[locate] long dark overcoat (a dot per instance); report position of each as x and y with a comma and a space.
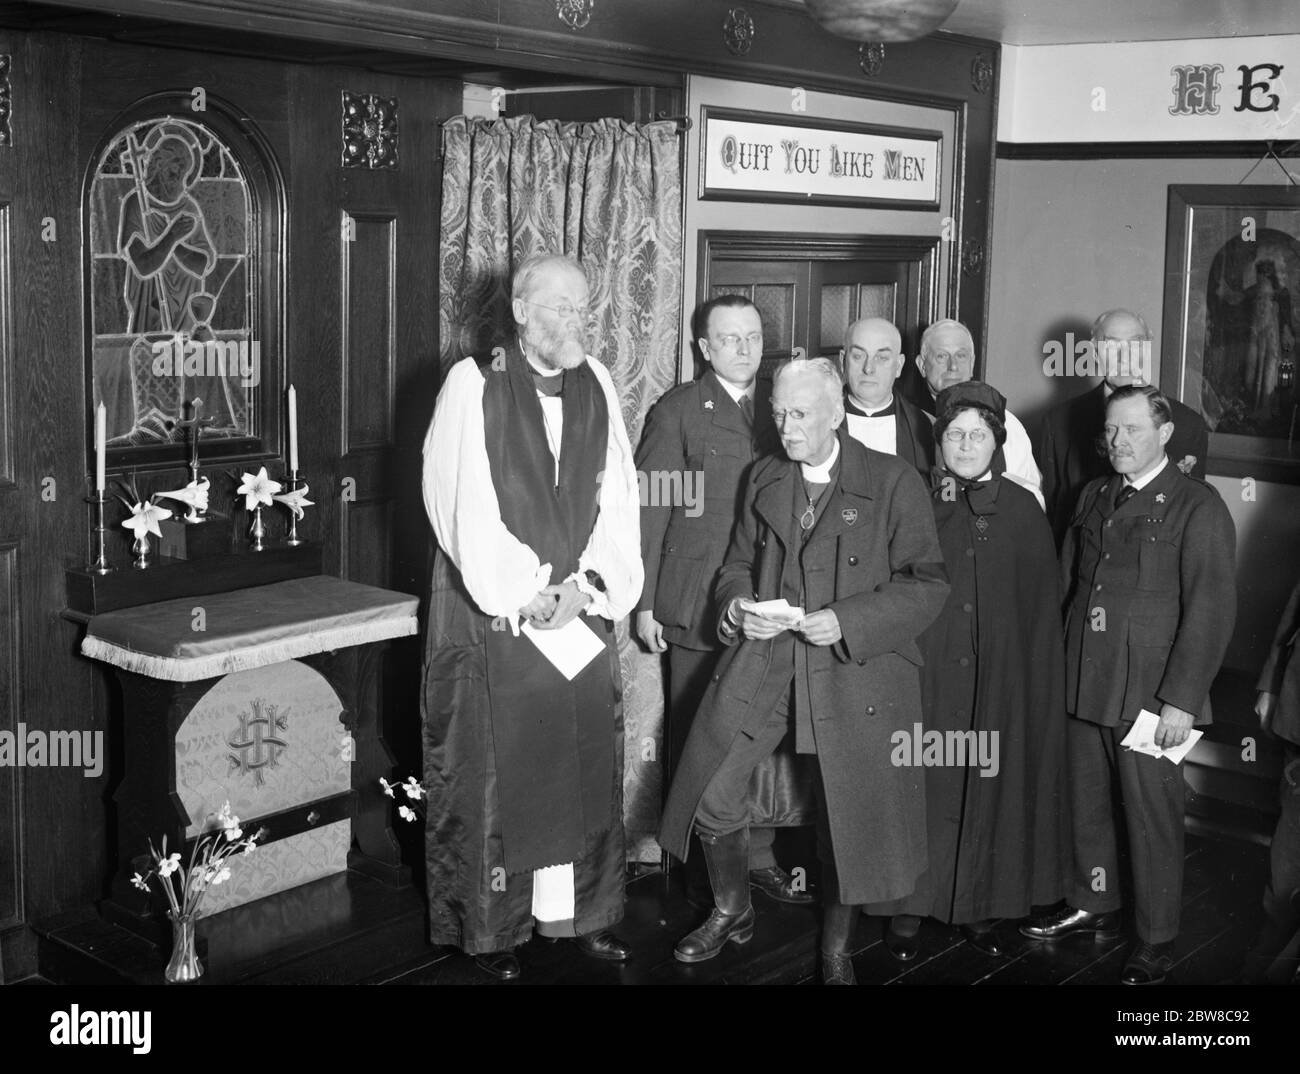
995, 664
874, 559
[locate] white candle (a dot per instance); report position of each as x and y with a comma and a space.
293, 429
101, 423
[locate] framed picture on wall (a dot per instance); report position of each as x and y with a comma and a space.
1232, 323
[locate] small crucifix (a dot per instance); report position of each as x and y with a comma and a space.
193, 426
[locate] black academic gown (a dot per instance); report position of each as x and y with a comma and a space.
994, 662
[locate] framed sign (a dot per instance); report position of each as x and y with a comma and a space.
755, 156
1232, 318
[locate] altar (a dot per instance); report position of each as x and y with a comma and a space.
266, 697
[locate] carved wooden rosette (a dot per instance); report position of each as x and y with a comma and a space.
369, 131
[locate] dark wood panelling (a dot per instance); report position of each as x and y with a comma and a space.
42, 512
10, 804
369, 252
67, 92
367, 541
8, 430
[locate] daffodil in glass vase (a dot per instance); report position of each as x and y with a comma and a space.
185, 885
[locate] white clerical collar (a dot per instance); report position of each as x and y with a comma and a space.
820, 475
737, 394
1151, 475
875, 411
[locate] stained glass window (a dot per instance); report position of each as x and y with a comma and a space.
173, 248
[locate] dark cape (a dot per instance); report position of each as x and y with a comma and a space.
994, 661
523, 768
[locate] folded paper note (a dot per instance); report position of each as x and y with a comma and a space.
570, 649
778, 611
1142, 739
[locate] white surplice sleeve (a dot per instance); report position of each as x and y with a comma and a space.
501, 573
614, 550
1019, 454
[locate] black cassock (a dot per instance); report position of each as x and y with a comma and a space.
994, 662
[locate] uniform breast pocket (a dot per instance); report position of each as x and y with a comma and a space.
1157, 563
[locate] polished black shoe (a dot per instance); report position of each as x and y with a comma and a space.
901, 947
779, 885
717, 931
1149, 964
503, 965
604, 945
838, 970
1068, 920
984, 940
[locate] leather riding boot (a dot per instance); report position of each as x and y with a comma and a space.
732, 918
837, 934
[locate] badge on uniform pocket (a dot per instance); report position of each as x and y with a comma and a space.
850, 515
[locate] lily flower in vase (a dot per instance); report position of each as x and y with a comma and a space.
145, 518
296, 501
258, 489
194, 495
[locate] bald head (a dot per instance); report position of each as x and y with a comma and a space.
549, 303
1122, 342
873, 359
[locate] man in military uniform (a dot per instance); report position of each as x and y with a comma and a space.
1071, 448
1149, 576
699, 441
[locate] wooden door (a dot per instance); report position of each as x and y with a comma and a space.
808, 288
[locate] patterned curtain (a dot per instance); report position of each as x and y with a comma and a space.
609, 194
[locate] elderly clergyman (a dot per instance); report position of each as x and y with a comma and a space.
874, 413
530, 487
846, 536
948, 357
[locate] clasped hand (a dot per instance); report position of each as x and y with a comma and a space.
555, 606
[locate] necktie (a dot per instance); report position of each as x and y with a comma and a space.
747, 408
1126, 493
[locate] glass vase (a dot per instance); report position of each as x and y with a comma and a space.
184, 965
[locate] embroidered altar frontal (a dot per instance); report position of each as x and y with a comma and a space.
266, 741
266, 707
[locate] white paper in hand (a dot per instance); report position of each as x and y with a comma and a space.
778, 611
569, 649
1142, 739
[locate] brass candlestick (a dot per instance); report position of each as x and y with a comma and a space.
100, 564
292, 539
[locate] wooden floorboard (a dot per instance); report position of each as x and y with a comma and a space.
1221, 913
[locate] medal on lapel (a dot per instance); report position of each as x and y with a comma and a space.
981, 523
